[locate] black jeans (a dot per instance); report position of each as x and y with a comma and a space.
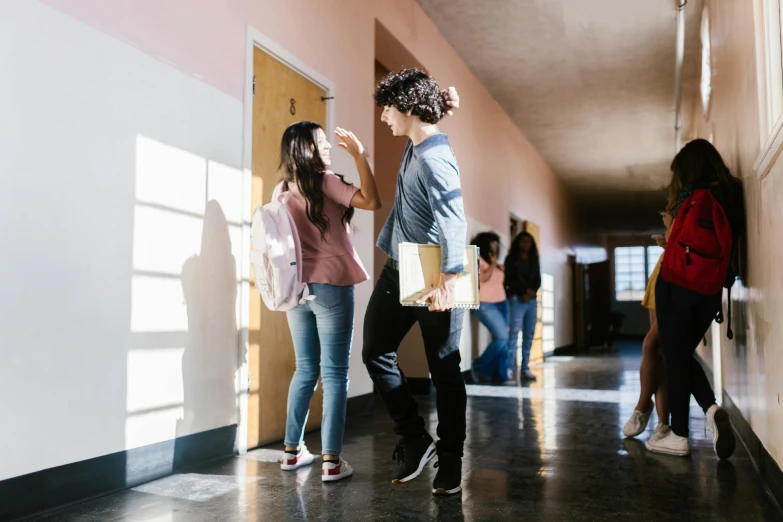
683, 318
385, 325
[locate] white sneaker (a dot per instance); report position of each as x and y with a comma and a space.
723, 441
661, 430
331, 472
637, 423
670, 444
292, 461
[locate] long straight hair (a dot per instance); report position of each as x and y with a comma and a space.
301, 164
514, 251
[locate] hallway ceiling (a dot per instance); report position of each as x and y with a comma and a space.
591, 85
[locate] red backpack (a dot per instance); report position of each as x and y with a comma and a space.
701, 253
700, 246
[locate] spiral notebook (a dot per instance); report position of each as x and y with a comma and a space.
420, 273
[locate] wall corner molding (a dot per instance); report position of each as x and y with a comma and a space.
769, 152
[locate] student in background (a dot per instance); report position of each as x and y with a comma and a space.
707, 206
651, 372
322, 205
492, 312
522, 281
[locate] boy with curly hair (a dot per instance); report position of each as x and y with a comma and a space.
428, 209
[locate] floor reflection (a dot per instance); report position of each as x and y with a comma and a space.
549, 451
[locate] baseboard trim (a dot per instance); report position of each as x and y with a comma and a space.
768, 469
569, 349
62, 486
765, 465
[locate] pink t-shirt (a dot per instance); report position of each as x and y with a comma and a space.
492, 291
332, 261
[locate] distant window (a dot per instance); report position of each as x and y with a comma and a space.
632, 268
653, 255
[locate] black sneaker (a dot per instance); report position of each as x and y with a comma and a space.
412, 455
449, 478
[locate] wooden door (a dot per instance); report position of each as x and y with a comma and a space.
580, 286
537, 351
600, 292
282, 97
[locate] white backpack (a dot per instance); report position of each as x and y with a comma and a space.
276, 254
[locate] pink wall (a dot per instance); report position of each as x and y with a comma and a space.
501, 171
206, 38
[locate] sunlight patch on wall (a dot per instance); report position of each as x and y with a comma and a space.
171, 177
157, 305
187, 254
225, 186
164, 240
154, 379
152, 427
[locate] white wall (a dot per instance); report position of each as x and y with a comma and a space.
475, 336
118, 281
121, 291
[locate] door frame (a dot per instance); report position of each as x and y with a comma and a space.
257, 39
520, 225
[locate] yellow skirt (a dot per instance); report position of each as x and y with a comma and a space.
649, 295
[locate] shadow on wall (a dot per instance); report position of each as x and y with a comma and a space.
209, 360
183, 359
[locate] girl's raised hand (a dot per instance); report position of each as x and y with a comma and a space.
349, 142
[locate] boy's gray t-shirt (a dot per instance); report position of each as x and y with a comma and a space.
428, 206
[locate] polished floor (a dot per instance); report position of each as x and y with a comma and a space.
550, 451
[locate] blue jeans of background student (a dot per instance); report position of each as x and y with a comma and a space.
322, 331
493, 362
523, 316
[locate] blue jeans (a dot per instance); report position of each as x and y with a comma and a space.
493, 362
322, 331
523, 316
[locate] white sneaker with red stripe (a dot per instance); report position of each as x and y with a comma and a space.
331, 471
292, 461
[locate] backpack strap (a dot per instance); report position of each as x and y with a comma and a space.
719, 319
729, 332
276, 193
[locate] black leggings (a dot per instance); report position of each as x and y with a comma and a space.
683, 318
385, 325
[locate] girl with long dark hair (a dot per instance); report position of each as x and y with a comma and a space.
492, 311
684, 314
522, 281
322, 205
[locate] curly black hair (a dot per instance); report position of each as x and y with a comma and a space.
414, 91
484, 241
